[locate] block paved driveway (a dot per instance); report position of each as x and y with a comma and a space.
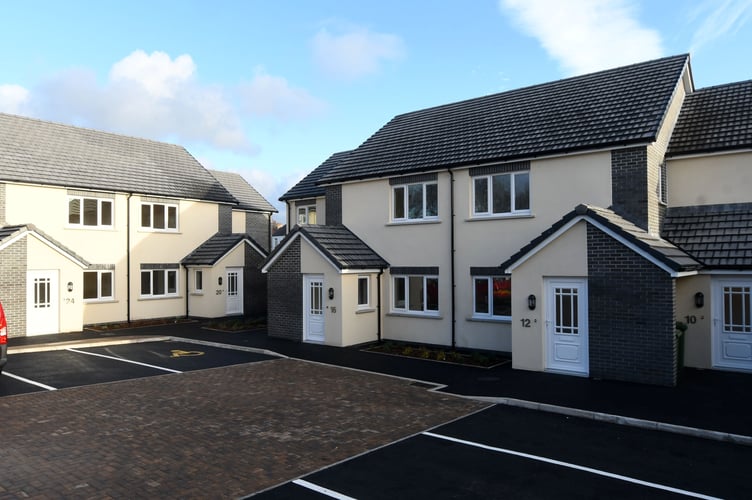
217, 433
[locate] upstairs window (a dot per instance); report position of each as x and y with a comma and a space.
307, 215
501, 194
89, 212
414, 202
159, 216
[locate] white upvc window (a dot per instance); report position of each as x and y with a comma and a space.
89, 212
307, 215
159, 216
98, 285
501, 194
415, 202
492, 297
198, 281
364, 292
415, 294
159, 282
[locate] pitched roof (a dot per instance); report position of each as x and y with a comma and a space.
40, 152
209, 252
308, 186
337, 243
248, 198
714, 119
615, 107
657, 249
720, 236
9, 233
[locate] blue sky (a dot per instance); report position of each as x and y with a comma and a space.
269, 89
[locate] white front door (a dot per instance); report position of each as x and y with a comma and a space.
313, 308
42, 303
732, 324
567, 326
234, 290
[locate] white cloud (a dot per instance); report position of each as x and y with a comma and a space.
147, 96
586, 35
720, 19
13, 99
355, 53
272, 96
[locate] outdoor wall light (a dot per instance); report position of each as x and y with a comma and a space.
699, 299
219, 281
531, 302
70, 286
331, 293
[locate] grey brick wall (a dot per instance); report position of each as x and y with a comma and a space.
254, 285
631, 311
13, 286
257, 225
285, 295
224, 219
629, 184
333, 205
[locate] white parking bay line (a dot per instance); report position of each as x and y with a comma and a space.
124, 360
572, 466
321, 489
22, 379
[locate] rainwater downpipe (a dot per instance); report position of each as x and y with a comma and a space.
451, 257
378, 305
128, 258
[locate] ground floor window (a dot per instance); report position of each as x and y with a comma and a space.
416, 294
159, 282
98, 285
492, 297
198, 281
364, 299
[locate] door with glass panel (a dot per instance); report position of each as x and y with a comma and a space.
234, 290
732, 324
42, 302
313, 308
567, 326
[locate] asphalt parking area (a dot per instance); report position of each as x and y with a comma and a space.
506, 452
73, 366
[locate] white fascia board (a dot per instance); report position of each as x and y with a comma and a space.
282, 250
360, 271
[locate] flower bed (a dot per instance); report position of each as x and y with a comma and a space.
433, 353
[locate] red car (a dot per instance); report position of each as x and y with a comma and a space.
3, 339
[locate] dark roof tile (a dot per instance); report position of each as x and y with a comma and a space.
308, 186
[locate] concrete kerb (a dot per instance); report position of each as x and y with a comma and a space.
619, 420
229, 346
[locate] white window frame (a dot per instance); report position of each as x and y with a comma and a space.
304, 213
100, 201
405, 188
166, 294
489, 304
198, 281
489, 195
367, 303
100, 297
406, 290
167, 207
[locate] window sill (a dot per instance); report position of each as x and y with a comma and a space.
197, 293
413, 222
365, 310
100, 301
414, 315
90, 228
161, 297
477, 218
489, 319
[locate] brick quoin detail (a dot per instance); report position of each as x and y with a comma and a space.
631, 311
13, 286
254, 286
224, 219
257, 225
285, 292
629, 184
